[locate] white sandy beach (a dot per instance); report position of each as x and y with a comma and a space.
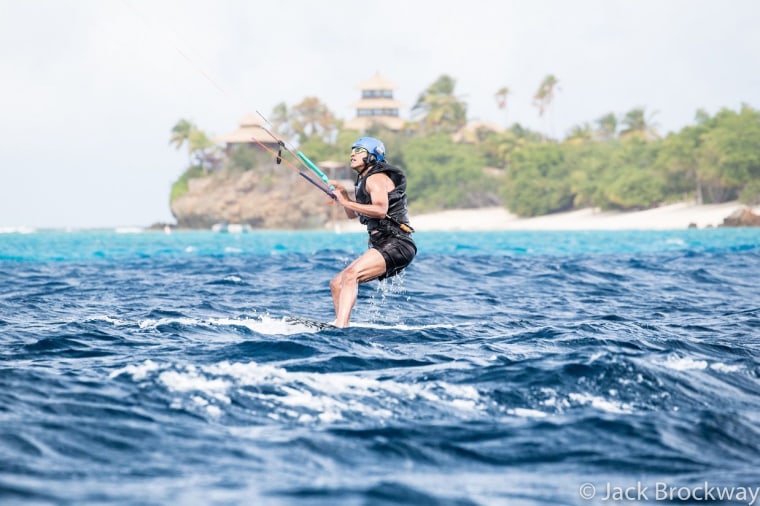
669, 217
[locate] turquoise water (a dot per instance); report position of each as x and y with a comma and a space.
72, 246
501, 368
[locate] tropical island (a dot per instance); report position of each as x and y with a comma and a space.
618, 162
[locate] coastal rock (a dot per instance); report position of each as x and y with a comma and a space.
743, 217
260, 199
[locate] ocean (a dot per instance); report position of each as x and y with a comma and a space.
502, 368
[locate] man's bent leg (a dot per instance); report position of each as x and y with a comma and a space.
345, 286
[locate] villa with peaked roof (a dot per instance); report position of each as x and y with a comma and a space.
249, 132
376, 106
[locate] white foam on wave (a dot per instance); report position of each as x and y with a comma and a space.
263, 324
145, 324
679, 363
527, 413
138, 372
210, 408
305, 397
151, 324
552, 399
403, 326
561, 403
193, 380
601, 403
721, 367
267, 325
108, 319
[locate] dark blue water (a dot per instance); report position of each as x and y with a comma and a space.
502, 368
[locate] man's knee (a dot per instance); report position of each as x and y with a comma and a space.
349, 275
336, 282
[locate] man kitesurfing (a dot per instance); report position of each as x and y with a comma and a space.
381, 205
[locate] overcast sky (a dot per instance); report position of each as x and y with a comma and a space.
90, 89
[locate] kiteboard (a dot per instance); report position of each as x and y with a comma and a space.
308, 322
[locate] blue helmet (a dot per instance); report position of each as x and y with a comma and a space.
373, 146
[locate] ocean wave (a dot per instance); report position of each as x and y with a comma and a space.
500, 369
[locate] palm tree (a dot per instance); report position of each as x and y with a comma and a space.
607, 126
181, 134
545, 94
580, 134
200, 147
440, 109
312, 117
637, 124
501, 97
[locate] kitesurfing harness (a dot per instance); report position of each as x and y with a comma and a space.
397, 218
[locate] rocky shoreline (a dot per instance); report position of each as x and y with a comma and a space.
265, 200
257, 199
743, 217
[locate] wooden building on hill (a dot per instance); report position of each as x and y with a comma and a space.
248, 133
376, 106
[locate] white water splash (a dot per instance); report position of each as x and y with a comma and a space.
678, 363
306, 397
601, 403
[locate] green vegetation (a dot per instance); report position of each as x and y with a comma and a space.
180, 186
443, 174
614, 162
438, 109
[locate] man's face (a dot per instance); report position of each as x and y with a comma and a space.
358, 157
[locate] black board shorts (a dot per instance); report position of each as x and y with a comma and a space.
398, 250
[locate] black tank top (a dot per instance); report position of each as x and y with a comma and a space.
397, 204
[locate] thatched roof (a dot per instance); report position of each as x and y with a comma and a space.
376, 82
250, 131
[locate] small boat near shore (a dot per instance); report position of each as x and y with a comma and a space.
231, 228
